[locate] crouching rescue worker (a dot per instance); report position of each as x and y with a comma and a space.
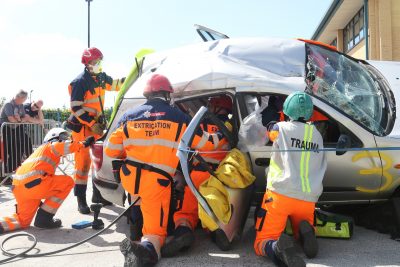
35, 180
187, 216
87, 118
294, 184
147, 139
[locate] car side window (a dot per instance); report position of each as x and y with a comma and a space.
329, 128
221, 105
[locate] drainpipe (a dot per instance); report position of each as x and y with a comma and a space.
366, 29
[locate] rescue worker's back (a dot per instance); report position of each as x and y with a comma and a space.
147, 138
290, 173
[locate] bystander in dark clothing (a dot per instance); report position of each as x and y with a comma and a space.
13, 135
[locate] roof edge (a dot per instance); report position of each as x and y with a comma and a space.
328, 16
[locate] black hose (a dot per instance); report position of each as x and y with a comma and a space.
24, 255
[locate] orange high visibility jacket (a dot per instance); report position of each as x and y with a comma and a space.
44, 161
223, 145
151, 133
86, 92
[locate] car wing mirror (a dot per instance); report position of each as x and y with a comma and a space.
343, 143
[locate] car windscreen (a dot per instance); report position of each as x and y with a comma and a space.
346, 85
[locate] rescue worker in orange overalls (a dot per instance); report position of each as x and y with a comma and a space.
87, 93
147, 139
35, 180
294, 184
187, 217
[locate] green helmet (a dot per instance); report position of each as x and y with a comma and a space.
298, 105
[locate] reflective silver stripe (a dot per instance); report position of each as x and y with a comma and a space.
112, 146
215, 140
261, 247
43, 158
92, 110
67, 146
211, 160
27, 175
79, 112
81, 173
15, 223
114, 85
203, 140
49, 209
53, 148
80, 181
93, 100
4, 224
151, 142
76, 103
56, 200
160, 166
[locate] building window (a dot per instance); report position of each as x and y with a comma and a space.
334, 43
353, 33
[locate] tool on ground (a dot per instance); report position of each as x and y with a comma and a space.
81, 225
97, 223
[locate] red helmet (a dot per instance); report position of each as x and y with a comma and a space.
157, 83
222, 101
90, 54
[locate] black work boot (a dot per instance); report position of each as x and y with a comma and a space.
183, 239
286, 253
97, 198
308, 240
45, 220
131, 260
221, 240
82, 205
138, 254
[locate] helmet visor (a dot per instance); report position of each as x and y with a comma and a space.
63, 136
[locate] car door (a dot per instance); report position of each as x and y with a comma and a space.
354, 176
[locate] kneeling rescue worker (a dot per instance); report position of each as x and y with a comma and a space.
147, 139
35, 180
87, 118
187, 216
294, 184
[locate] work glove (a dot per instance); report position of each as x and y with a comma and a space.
97, 128
103, 78
89, 141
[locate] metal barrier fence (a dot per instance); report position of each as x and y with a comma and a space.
18, 141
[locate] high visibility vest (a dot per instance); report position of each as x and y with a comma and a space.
297, 174
44, 161
151, 134
86, 95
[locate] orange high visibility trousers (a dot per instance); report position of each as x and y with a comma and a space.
52, 188
272, 216
155, 192
82, 157
188, 214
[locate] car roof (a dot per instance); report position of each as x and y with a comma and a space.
247, 64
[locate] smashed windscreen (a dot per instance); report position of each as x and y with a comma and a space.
346, 85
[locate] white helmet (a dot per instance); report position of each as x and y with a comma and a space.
54, 134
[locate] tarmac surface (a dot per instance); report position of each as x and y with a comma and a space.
366, 248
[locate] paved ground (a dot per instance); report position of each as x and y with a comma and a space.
366, 248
